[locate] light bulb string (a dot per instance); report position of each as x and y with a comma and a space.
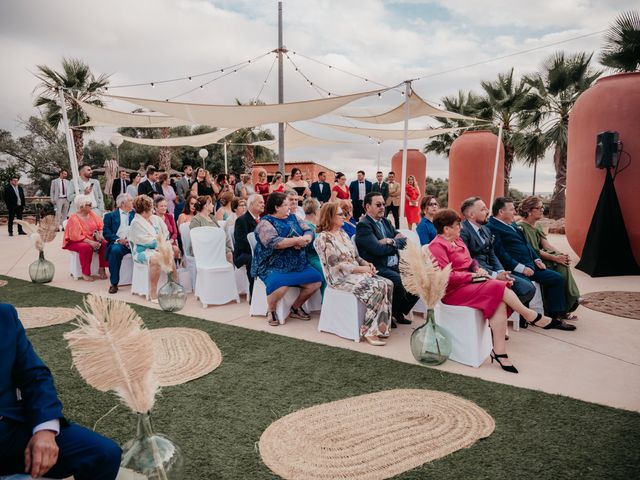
264, 84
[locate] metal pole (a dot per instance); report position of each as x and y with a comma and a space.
535, 171
403, 190
495, 166
379, 156
73, 161
226, 169
280, 90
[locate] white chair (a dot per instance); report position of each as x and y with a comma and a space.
189, 261
184, 279
126, 270
76, 269
410, 234
215, 282
314, 303
469, 333
535, 304
140, 280
242, 282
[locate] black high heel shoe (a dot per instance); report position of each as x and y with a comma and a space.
554, 323
506, 368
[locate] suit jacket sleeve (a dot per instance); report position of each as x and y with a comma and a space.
98, 193
109, 230
240, 237
508, 262
368, 242
32, 376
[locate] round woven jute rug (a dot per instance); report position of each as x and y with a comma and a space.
620, 304
372, 436
183, 354
37, 317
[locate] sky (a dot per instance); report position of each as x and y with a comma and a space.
387, 42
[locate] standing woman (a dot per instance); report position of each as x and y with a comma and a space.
262, 186
340, 190
220, 186
168, 192
412, 202
203, 184
300, 186
425, 229
276, 184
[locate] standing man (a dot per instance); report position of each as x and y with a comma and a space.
381, 186
88, 186
120, 185
59, 194
393, 199
115, 232
244, 226
150, 186
321, 190
14, 198
358, 189
183, 187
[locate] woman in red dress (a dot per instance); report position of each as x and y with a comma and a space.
262, 186
340, 190
276, 183
412, 202
471, 286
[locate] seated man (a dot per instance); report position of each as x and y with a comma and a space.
378, 243
116, 226
516, 255
479, 240
244, 225
34, 436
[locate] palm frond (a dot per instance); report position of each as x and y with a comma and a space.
421, 274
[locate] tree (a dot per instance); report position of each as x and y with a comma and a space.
439, 188
249, 153
79, 84
621, 50
530, 146
557, 86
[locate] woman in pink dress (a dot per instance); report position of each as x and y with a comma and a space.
412, 202
168, 192
471, 286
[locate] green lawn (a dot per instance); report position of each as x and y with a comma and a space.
217, 420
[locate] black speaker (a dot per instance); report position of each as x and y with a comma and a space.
607, 150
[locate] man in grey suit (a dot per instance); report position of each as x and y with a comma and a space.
59, 194
88, 186
183, 186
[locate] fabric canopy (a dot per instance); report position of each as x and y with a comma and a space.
417, 108
239, 116
190, 141
382, 135
294, 138
103, 117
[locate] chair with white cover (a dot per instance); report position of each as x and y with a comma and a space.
535, 304
215, 282
470, 334
140, 280
126, 270
75, 267
242, 282
189, 261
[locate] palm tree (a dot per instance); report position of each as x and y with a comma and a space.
621, 50
557, 86
246, 136
79, 84
530, 146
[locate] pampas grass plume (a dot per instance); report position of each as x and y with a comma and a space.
166, 254
421, 274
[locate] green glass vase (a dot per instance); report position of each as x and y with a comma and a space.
152, 454
42, 270
171, 296
430, 345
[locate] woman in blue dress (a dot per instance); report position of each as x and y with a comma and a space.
280, 258
425, 229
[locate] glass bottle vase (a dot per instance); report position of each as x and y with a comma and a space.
171, 296
430, 345
42, 270
152, 454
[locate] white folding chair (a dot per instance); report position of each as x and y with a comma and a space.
242, 282
189, 260
215, 282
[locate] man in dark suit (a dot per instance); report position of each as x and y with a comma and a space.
14, 198
244, 226
120, 184
381, 186
34, 435
358, 189
321, 190
516, 255
116, 227
479, 240
378, 242
150, 186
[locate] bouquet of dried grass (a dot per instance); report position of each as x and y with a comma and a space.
113, 351
44, 233
421, 274
166, 254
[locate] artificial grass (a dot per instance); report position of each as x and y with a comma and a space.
217, 420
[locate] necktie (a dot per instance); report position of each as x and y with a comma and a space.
381, 228
64, 194
122, 187
483, 234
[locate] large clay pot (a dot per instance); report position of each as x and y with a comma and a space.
416, 166
471, 164
613, 103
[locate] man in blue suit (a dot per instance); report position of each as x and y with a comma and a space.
379, 242
116, 226
516, 255
321, 190
35, 438
358, 189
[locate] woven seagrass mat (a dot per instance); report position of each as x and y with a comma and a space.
37, 317
183, 354
373, 436
620, 304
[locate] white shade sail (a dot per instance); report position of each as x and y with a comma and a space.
294, 138
190, 141
417, 108
382, 135
238, 116
104, 117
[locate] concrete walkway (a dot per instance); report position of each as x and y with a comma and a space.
599, 362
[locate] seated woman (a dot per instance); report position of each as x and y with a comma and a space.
347, 271
189, 209
311, 207
471, 286
531, 210
204, 218
83, 235
144, 231
425, 229
349, 224
280, 258
224, 210
161, 208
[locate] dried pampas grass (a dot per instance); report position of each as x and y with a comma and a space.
113, 351
166, 254
421, 274
45, 233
